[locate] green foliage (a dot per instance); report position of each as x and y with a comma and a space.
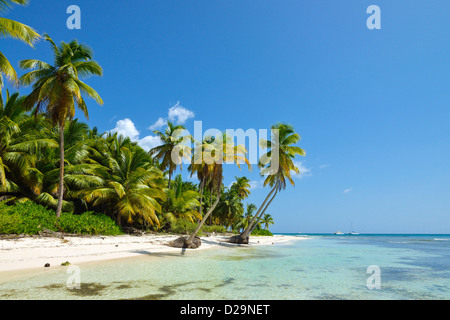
262, 232
187, 227
88, 223
31, 218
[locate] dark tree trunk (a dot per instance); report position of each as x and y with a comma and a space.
61, 171
199, 226
244, 236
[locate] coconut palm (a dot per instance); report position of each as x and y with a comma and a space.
173, 146
230, 209
241, 186
17, 30
80, 171
220, 149
267, 220
182, 202
20, 142
58, 89
284, 144
131, 185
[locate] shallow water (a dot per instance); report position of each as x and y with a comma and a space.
321, 267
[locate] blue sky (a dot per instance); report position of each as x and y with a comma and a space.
372, 106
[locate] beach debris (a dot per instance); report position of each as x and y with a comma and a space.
67, 263
181, 242
47, 265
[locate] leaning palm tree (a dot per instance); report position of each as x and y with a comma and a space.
276, 178
171, 147
209, 161
58, 89
17, 30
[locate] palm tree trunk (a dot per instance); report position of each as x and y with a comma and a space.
199, 226
61, 171
262, 212
170, 178
246, 233
201, 200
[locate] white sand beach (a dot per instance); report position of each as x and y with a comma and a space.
35, 252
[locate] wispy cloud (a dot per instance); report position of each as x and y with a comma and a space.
158, 124
256, 184
180, 114
304, 171
348, 190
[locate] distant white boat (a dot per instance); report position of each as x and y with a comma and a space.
352, 232
338, 232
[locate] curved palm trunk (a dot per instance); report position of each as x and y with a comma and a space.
61, 171
199, 226
201, 200
262, 213
244, 236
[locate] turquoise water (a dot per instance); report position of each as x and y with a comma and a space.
320, 267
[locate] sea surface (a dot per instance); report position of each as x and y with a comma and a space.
317, 266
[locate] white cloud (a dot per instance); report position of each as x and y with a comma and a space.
158, 124
149, 142
304, 171
256, 184
180, 114
127, 128
347, 190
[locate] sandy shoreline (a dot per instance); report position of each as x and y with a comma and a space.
32, 253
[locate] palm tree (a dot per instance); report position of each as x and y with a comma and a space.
276, 179
241, 186
80, 171
58, 88
245, 219
230, 209
17, 30
267, 220
171, 147
220, 149
131, 186
182, 202
20, 142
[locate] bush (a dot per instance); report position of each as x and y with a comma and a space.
88, 223
31, 218
186, 227
262, 232
214, 228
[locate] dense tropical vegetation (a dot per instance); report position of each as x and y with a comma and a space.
58, 174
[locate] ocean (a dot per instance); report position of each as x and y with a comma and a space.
317, 266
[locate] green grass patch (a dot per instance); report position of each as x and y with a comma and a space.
31, 219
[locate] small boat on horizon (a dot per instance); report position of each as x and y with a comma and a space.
338, 232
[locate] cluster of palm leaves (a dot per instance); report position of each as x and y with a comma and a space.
50, 157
